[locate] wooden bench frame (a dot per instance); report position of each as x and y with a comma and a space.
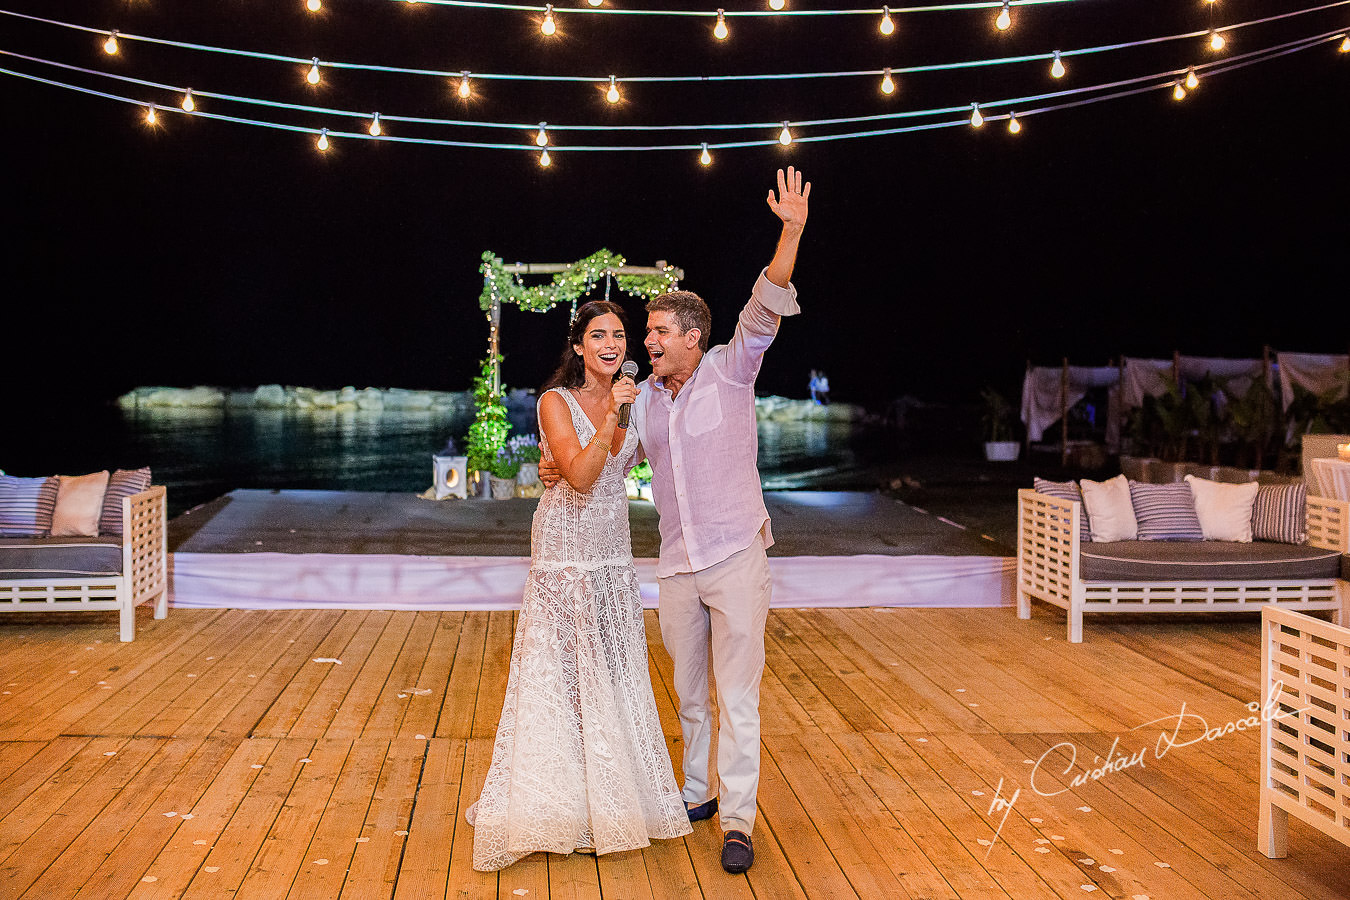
144, 573
1305, 747
1048, 569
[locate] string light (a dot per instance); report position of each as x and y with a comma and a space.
1178, 91
612, 95
886, 26
549, 27
785, 136
705, 157
322, 143
313, 5
887, 82
1004, 20
1216, 40
110, 45
545, 160
1345, 44
541, 139
464, 90
375, 129
1057, 67
777, 5
313, 76
595, 2
150, 117
720, 29
976, 117
1192, 79
1014, 125
188, 104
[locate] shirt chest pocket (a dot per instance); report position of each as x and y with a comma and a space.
704, 410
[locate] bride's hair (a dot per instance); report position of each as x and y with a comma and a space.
571, 371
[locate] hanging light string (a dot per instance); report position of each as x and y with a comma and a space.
675, 79
746, 14
1119, 89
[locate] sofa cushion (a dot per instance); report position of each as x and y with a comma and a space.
1067, 490
1280, 513
51, 557
1166, 512
26, 505
1110, 511
124, 483
79, 500
1206, 561
1225, 510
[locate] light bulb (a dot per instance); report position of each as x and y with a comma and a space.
785, 136
150, 117
1004, 20
1345, 44
887, 26
549, 26
720, 29
1178, 91
777, 5
1216, 41
313, 5
110, 45
541, 139
1057, 67
375, 129
1014, 125
313, 76
464, 90
612, 95
1192, 79
705, 157
188, 104
323, 140
595, 2
887, 82
544, 160
976, 117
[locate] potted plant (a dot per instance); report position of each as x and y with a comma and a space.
1000, 444
490, 427
504, 468
525, 449
639, 481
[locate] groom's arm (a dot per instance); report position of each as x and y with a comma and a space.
791, 207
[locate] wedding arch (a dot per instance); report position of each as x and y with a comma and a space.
504, 284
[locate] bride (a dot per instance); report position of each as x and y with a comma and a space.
580, 761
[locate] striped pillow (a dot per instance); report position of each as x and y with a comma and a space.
124, 483
1067, 490
27, 505
1165, 512
1280, 513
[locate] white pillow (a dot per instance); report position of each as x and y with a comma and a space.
1225, 510
1110, 511
79, 500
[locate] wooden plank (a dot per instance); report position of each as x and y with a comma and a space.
50, 757
624, 875
832, 706
300, 688
322, 706
422, 717
495, 672
466, 883
375, 864
456, 718
435, 818
404, 689
815, 868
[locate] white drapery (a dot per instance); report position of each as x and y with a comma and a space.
1318, 372
1041, 402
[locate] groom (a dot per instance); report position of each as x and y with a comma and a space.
696, 418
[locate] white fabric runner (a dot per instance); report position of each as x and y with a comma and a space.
374, 581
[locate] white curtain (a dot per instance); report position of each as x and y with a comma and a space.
1318, 372
1040, 393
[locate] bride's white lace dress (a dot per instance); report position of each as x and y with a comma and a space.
580, 760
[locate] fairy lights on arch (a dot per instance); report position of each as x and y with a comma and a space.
1209, 55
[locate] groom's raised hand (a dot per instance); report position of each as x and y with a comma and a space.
791, 205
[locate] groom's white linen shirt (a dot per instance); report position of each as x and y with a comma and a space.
703, 443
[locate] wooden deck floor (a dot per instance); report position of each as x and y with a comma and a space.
219, 755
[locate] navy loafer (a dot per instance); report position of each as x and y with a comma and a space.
738, 854
703, 811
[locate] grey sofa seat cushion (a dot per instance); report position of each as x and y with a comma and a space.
1205, 561
59, 557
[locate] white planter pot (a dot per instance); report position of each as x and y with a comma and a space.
503, 488
528, 474
1002, 451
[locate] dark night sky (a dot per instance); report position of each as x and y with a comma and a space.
934, 263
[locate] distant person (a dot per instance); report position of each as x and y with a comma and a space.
813, 386
823, 389
580, 759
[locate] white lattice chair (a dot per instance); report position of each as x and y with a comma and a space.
1305, 744
142, 575
1048, 569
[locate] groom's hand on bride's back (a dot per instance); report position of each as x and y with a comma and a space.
549, 473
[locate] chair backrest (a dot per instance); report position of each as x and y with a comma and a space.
1319, 446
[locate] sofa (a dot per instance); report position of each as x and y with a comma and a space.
1063, 560
75, 543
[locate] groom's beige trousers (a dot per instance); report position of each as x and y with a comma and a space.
725, 606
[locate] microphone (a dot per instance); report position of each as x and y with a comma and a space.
629, 369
